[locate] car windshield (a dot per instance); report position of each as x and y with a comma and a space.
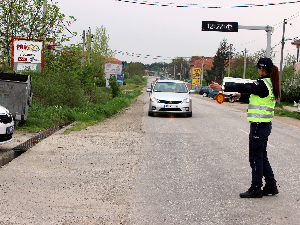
170, 87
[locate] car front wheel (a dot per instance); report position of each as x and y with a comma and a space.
150, 113
204, 94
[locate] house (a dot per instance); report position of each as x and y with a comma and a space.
114, 61
197, 61
200, 62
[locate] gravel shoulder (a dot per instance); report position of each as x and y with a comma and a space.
84, 177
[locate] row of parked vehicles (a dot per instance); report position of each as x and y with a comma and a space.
206, 91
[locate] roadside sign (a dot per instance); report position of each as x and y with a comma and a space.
196, 76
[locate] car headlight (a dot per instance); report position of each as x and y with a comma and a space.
153, 99
187, 100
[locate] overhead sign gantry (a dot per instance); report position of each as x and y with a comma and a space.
234, 27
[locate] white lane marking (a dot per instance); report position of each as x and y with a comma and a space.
244, 131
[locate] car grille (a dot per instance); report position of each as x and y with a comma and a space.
5, 119
169, 102
171, 109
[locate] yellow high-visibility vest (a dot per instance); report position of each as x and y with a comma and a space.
262, 109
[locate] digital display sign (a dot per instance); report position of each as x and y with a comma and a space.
220, 26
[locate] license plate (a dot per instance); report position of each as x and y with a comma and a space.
10, 130
170, 106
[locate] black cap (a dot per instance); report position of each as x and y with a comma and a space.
264, 62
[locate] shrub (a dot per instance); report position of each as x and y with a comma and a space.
58, 88
136, 79
290, 90
114, 85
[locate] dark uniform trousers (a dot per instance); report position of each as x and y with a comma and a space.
258, 138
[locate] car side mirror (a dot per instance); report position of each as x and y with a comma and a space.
192, 91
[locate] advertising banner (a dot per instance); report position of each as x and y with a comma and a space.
114, 70
27, 54
28, 51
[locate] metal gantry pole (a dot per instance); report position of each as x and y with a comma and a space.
268, 29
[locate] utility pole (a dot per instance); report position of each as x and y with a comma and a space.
201, 78
245, 57
89, 44
83, 47
174, 72
45, 6
230, 46
180, 71
281, 59
44, 14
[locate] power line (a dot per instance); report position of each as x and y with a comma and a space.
202, 6
276, 26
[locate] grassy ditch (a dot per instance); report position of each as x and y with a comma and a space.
41, 117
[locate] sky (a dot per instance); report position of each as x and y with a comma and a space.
159, 33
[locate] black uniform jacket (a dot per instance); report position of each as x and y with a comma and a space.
258, 88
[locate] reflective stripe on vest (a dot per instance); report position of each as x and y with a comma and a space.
260, 115
262, 109
259, 107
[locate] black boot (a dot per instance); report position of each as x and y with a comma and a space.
270, 189
253, 192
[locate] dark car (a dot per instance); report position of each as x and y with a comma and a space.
212, 93
204, 91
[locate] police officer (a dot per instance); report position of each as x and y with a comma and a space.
262, 95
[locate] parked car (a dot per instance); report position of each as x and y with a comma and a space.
204, 91
7, 125
212, 94
170, 96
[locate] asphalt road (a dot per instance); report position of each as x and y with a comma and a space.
136, 169
193, 169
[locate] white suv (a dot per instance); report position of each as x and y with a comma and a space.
7, 125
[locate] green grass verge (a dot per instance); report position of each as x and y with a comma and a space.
286, 113
42, 117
